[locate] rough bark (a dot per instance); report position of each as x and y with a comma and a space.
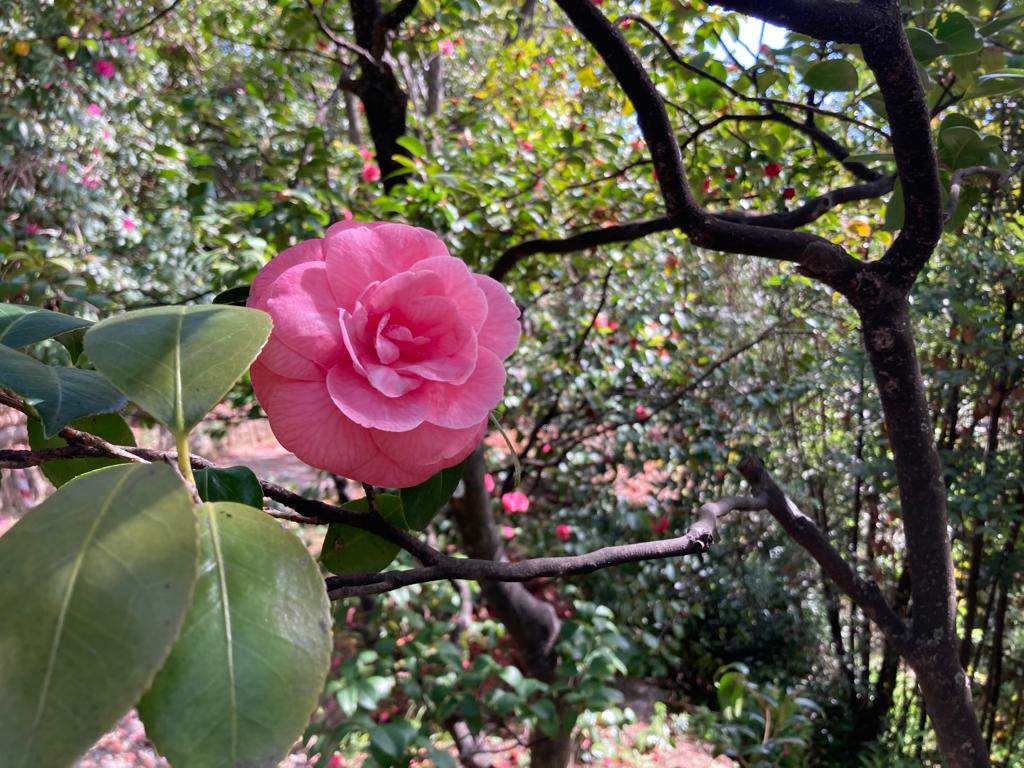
532, 624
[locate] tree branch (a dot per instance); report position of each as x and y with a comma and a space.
398, 14
697, 539
864, 593
835, 20
337, 39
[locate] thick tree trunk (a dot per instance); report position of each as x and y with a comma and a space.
532, 624
934, 655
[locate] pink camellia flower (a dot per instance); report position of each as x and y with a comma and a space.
94, 109
508, 531
641, 412
62, 167
128, 224
516, 501
31, 229
446, 47
527, 145
660, 525
563, 532
104, 68
370, 172
366, 154
489, 482
385, 358
91, 182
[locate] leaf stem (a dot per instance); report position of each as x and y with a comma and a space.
184, 458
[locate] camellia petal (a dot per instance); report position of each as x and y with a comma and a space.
500, 331
460, 287
447, 446
356, 397
304, 312
308, 250
457, 406
284, 361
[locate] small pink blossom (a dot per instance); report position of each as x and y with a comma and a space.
32, 229
62, 167
602, 323
90, 182
366, 154
386, 343
489, 482
546, 448
641, 412
528, 146
346, 214
128, 224
563, 532
508, 531
550, 60
446, 47
94, 109
515, 501
106, 135
370, 172
132, 47
104, 68
336, 761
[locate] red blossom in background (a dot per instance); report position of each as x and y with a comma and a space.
94, 109
641, 412
788, 193
489, 482
601, 322
515, 501
128, 224
772, 170
563, 532
659, 526
446, 47
366, 154
104, 68
508, 531
370, 172
32, 229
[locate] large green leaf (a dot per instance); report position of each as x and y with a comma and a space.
420, 503
958, 33
924, 46
21, 325
238, 484
178, 362
832, 75
240, 684
998, 83
94, 586
60, 395
353, 550
110, 426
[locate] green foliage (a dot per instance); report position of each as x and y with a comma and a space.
115, 548
352, 550
177, 362
238, 484
239, 686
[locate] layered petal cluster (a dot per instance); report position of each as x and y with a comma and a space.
386, 355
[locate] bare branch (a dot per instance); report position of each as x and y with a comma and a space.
698, 538
337, 39
999, 178
864, 593
835, 20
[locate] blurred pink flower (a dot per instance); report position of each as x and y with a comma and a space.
346, 214
385, 358
128, 224
62, 167
516, 501
32, 229
641, 412
660, 525
94, 109
132, 47
104, 67
550, 60
489, 482
370, 172
365, 154
601, 322
446, 47
508, 531
563, 532
528, 146
90, 182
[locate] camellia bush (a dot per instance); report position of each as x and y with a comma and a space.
717, 305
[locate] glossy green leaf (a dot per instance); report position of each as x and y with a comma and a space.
924, 45
832, 75
237, 484
94, 586
894, 211
21, 325
241, 683
420, 503
59, 395
110, 426
178, 362
353, 550
958, 33
998, 83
